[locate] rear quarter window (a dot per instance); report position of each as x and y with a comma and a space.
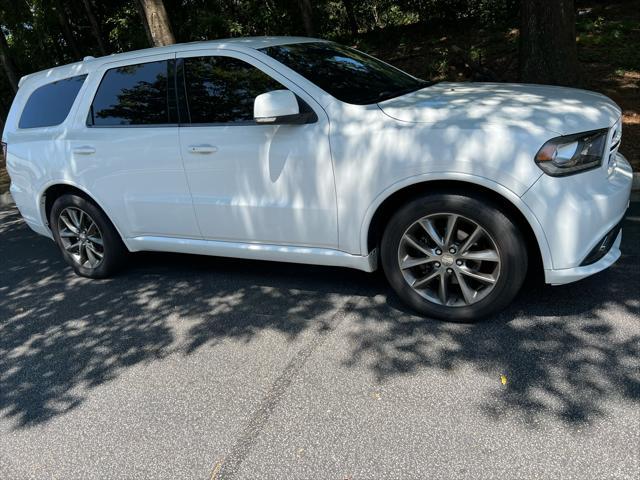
50, 104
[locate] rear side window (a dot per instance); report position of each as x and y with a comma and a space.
222, 89
50, 104
133, 95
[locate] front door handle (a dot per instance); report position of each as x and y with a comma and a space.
84, 150
202, 149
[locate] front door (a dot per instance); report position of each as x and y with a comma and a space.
270, 184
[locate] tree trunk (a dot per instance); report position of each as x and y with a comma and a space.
157, 21
95, 26
307, 16
7, 63
66, 29
143, 20
548, 51
351, 17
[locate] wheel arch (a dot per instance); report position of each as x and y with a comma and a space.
56, 189
380, 212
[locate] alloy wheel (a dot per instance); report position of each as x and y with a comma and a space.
81, 237
449, 260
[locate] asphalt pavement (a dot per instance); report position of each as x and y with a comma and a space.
209, 368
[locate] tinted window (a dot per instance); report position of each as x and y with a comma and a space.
50, 104
345, 73
222, 89
132, 95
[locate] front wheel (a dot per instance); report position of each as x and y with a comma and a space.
454, 257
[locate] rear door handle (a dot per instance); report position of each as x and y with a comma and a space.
84, 150
202, 149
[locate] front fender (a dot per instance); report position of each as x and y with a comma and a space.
462, 178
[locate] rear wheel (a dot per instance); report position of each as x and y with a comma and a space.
88, 241
453, 256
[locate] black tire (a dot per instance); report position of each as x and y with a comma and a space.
113, 249
486, 214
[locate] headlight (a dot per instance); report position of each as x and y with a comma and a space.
572, 153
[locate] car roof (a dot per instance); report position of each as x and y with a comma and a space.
89, 63
248, 42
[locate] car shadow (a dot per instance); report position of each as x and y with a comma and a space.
566, 350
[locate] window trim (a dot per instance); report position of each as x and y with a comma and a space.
172, 106
64, 120
177, 94
183, 104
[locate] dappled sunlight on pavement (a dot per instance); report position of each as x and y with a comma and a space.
296, 352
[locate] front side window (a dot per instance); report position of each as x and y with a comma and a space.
132, 95
50, 104
347, 74
222, 89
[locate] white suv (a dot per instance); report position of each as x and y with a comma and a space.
302, 150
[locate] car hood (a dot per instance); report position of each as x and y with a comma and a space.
471, 105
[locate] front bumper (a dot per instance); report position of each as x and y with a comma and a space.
568, 275
576, 213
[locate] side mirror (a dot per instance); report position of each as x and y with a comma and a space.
278, 107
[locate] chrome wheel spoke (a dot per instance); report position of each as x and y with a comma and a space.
83, 254
72, 246
91, 257
482, 277
96, 253
443, 288
417, 245
73, 216
482, 256
411, 262
467, 292
430, 228
68, 234
451, 229
424, 281
68, 223
95, 240
471, 239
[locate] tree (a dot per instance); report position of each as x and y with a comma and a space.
351, 17
7, 63
67, 32
95, 26
307, 16
548, 50
157, 22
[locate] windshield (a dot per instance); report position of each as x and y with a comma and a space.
347, 74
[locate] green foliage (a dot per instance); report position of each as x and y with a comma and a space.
597, 29
37, 38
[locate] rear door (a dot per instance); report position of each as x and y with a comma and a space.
253, 183
128, 152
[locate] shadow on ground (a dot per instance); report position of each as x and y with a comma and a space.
566, 350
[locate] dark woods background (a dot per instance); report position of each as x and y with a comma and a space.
591, 44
